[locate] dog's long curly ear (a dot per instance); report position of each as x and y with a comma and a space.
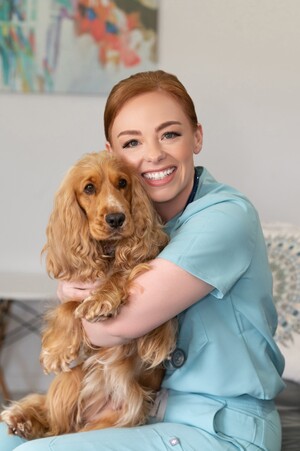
149, 235
70, 250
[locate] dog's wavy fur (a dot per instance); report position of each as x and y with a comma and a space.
112, 386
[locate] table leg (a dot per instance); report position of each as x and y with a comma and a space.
3, 386
4, 310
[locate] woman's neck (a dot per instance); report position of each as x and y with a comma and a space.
169, 209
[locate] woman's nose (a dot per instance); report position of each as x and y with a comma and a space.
154, 154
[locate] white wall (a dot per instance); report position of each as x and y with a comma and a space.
239, 60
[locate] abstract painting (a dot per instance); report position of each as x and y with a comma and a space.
75, 46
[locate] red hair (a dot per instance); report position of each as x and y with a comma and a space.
141, 83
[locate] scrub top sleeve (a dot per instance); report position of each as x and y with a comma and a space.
215, 244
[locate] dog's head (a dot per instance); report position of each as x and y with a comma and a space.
104, 189
100, 208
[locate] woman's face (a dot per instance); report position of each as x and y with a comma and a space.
153, 133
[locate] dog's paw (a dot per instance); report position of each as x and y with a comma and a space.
17, 423
93, 310
56, 362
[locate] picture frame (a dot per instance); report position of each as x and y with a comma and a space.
75, 46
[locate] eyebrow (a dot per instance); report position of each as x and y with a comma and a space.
166, 124
157, 129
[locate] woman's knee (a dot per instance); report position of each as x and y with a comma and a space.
9, 442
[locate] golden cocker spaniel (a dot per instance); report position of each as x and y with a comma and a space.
103, 226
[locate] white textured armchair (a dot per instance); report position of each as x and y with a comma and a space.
283, 241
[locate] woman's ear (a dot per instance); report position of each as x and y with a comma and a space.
198, 139
108, 147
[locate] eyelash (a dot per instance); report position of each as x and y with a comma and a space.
127, 144
174, 134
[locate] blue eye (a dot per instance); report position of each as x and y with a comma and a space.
130, 144
170, 135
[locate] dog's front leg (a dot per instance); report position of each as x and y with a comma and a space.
106, 301
62, 338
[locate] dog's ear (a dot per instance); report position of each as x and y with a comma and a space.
156, 346
70, 250
149, 236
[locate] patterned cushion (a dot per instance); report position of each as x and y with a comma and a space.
283, 243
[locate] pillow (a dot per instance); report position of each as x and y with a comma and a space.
283, 244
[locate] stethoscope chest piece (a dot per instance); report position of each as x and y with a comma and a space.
175, 360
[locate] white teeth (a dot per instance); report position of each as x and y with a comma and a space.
158, 175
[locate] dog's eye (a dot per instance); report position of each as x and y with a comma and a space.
122, 183
89, 189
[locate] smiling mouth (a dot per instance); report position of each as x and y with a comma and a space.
158, 175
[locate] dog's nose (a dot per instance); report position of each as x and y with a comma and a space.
115, 220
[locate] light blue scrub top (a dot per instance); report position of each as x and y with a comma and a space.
227, 337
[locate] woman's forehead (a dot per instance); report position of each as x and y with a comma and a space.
150, 108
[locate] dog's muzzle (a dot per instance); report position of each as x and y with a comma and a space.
115, 220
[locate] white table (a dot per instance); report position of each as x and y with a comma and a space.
27, 286
18, 288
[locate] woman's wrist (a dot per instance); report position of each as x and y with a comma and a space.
99, 334
75, 291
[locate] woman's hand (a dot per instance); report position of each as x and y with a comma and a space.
75, 291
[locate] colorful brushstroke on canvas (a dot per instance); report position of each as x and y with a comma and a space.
75, 46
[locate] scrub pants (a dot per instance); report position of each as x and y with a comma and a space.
191, 423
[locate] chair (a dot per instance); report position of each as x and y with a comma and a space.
16, 289
283, 243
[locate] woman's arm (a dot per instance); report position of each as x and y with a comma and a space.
158, 295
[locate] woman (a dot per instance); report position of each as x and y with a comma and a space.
214, 275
